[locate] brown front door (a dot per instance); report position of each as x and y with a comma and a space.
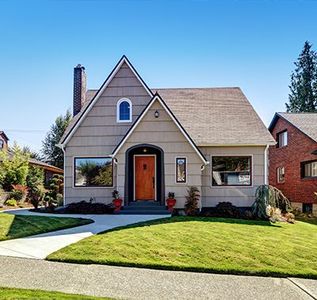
144, 187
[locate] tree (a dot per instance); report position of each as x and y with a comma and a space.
14, 167
303, 87
49, 149
33, 154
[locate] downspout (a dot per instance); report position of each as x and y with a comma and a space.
266, 167
202, 168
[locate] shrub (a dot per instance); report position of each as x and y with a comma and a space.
54, 195
36, 195
14, 167
11, 202
192, 200
16, 195
227, 210
84, 207
267, 195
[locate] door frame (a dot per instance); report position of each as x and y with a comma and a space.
134, 171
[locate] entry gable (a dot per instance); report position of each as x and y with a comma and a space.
157, 104
122, 76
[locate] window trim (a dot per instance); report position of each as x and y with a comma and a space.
118, 110
302, 169
186, 162
278, 138
232, 186
278, 175
93, 186
3, 143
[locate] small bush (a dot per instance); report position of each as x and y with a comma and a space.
192, 200
227, 210
16, 194
11, 202
84, 207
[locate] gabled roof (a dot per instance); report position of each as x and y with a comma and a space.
157, 97
4, 135
217, 116
75, 122
305, 122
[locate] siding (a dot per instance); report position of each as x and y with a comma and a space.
238, 196
99, 133
163, 132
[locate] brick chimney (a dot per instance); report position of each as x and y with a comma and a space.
79, 88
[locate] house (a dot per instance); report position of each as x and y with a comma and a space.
293, 161
148, 142
3, 141
48, 169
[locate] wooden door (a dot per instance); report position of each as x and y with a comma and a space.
144, 167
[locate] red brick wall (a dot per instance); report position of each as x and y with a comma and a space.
299, 149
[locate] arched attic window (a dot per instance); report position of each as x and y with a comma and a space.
124, 110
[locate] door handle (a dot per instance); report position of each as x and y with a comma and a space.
153, 181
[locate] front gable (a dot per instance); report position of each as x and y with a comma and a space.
97, 123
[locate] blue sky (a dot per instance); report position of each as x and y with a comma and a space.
250, 44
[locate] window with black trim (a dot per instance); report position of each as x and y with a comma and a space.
181, 169
309, 169
93, 171
282, 139
231, 170
280, 174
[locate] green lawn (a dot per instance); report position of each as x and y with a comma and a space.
213, 245
12, 226
13, 294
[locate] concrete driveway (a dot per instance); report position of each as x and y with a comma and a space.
41, 245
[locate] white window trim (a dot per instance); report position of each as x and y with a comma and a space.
114, 175
278, 174
186, 173
232, 186
118, 110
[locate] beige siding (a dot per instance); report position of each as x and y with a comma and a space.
239, 196
163, 132
99, 133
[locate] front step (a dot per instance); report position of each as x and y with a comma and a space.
144, 208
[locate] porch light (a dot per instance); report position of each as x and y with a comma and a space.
144, 150
156, 114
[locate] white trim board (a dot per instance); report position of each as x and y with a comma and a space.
100, 92
157, 98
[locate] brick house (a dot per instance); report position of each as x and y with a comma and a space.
293, 161
3, 141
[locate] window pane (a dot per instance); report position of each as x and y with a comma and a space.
309, 169
231, 170
124, 111
282, 139
314, 169
280, 174
180, 169
93, 171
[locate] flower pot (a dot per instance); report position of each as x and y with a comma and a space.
170, 204
117, 203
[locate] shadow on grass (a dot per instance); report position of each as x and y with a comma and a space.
194, 219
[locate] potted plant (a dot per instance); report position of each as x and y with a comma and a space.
171, 201
117, 201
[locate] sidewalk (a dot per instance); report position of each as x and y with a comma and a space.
132, 283
41, 245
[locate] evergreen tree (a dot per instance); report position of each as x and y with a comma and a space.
52, 153
303, 88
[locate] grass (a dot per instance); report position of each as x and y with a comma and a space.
212, 245
15, 226
13, 294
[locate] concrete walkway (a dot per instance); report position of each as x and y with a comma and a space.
132, 283
41, 245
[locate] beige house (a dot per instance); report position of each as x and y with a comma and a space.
147, 142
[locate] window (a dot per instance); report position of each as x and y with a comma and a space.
307, 208
124, 110
93, 171
280, 174
282, 139
181, 169
231, 170
1, 144
309, 169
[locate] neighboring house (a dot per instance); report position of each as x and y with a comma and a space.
49, 170
293, 161
3, 141
148, 142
